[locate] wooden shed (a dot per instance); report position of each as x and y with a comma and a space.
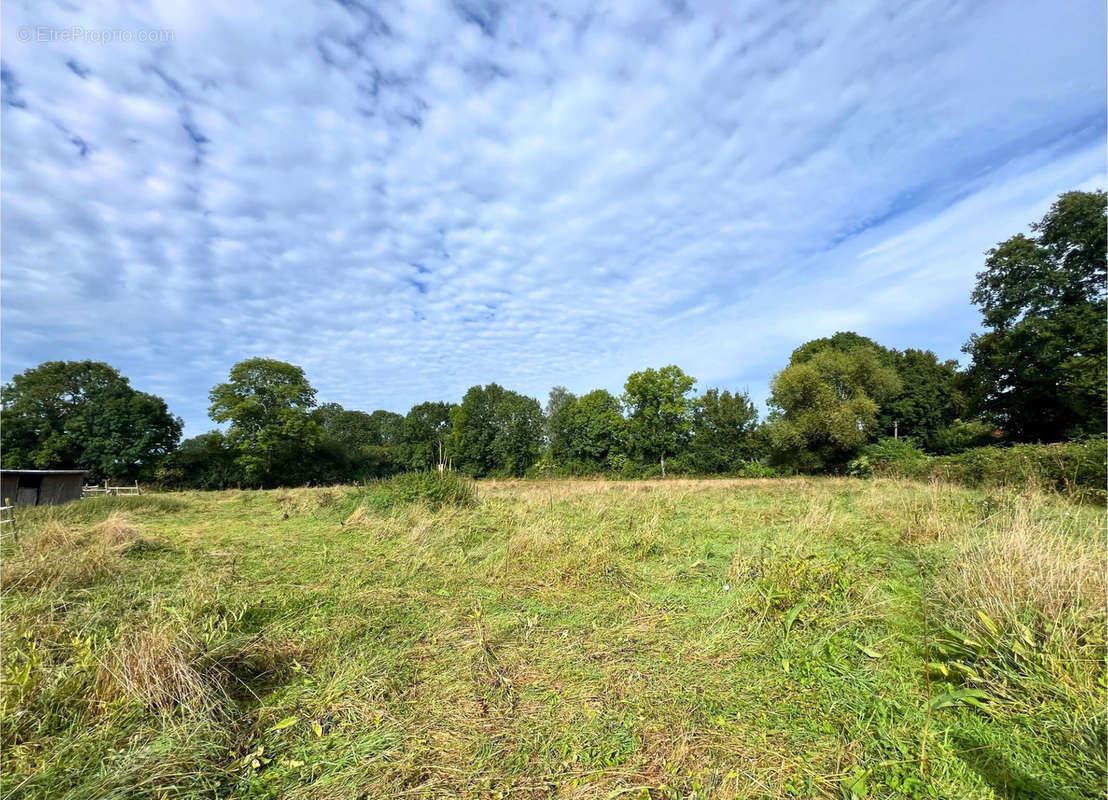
40, 487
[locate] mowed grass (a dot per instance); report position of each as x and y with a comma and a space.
571, 639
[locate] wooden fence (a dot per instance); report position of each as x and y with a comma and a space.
92, 489
7, 522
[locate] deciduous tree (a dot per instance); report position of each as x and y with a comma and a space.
426, 431
722, 431
587, 431
268, 404
659, 412
1040, 365
84, 414
929, 398
496, 431
827, 406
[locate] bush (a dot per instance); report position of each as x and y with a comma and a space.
547, 468
433, 489
1075, 468
889, 457
961, 436
756, 469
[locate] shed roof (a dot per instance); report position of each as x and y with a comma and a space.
43, 471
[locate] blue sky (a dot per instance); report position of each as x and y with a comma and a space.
410, 199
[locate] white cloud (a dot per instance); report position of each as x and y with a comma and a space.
407, 201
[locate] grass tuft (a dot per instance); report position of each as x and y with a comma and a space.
161, 668
1029, 573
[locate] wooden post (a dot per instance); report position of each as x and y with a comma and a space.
10, 510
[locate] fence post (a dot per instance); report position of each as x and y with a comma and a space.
10, 510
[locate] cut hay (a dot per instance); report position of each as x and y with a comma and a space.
55, 556
158, 668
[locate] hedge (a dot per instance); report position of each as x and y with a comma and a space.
1075, 468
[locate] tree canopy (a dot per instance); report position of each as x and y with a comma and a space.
426, 432
827, 405
496, 431
722, 431
659, 412
84, 414
929, 398
268, 404
1039, 367
587, 431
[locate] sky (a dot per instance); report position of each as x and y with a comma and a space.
410, 199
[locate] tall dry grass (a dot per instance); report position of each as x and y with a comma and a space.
1028, 571
162, 668
55, 555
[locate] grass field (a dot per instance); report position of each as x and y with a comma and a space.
577, 639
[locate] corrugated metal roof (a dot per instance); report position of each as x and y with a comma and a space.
43, 471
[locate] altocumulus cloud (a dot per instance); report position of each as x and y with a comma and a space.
409, 199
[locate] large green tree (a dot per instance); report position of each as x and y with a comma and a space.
842, 341
722, 431
827, 404
558, 397
496, 431
389, 427
268, 404
1040, 365
84, 414
348, 428
206, 461
586, 431
426, 431
358, 445
929, 398
659, 412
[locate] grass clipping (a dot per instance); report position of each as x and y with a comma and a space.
160, 668
54, 556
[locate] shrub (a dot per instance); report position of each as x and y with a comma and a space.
961, 436
889, 457
433, 489
756, 469
1074, 468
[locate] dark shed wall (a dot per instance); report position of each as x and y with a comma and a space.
8, 485
57, 489
40, 487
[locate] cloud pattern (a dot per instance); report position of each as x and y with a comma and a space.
407, 199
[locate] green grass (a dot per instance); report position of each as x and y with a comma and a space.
578, 639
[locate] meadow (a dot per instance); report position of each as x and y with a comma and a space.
803, 637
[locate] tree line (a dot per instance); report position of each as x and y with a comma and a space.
1037, 373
